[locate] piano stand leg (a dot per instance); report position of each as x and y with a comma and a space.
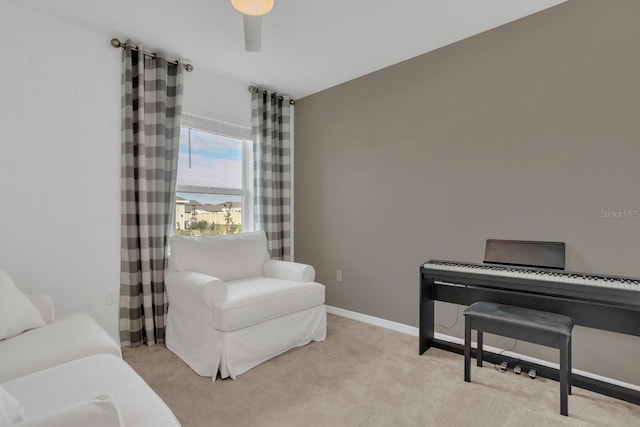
426, 316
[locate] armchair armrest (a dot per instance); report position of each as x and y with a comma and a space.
44, 304
288, 270
185, 287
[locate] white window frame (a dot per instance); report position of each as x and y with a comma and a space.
235, 131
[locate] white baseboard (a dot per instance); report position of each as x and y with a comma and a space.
413, 331
383, 323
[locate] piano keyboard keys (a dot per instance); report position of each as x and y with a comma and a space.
561, 276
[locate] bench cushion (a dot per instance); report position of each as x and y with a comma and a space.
523, 317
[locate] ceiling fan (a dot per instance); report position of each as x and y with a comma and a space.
252, 11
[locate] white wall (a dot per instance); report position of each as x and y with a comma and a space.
216, 97
60, 157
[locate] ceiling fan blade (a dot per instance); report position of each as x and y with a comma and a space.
252, 33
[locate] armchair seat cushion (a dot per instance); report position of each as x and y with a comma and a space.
256, 299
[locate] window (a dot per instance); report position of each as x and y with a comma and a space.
213, 194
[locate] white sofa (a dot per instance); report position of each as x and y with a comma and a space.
66, 371
231, 307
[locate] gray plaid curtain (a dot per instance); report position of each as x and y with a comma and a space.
151, 107
271, 124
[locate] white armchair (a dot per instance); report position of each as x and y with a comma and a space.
231, 307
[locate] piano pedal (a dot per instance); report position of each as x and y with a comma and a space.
532, 373
517, 369
503, 366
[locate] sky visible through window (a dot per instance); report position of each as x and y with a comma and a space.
216, 161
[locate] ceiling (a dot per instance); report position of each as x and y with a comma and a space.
307, 45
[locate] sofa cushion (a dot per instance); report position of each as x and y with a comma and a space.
17, 313
83, 379
256, 299
68, 338
227, 257
98, 412
11, 411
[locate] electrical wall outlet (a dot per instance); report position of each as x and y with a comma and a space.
338, 276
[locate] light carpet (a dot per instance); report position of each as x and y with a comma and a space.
364, 375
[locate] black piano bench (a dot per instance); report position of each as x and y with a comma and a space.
538, 327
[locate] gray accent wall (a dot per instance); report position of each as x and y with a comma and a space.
529, 131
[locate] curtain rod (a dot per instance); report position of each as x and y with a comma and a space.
254, 89
117, 43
